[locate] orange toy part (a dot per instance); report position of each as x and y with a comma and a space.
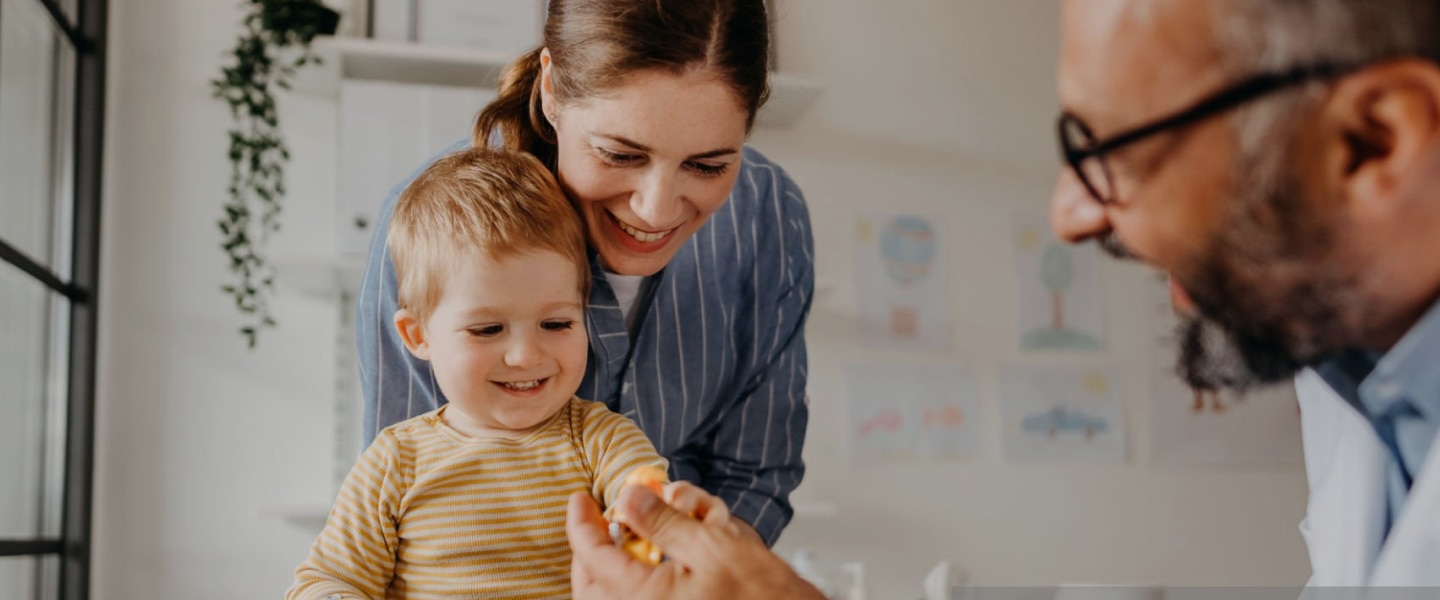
642, 549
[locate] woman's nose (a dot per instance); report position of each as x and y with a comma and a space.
657, 201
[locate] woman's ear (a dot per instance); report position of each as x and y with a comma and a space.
547, 87
412, 332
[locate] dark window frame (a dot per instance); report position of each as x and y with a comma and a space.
86, 34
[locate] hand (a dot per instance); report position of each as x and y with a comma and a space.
710, 555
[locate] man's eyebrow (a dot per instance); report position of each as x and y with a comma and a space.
718, 152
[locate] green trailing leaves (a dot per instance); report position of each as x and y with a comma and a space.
257, 152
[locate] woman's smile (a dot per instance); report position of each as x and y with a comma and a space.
636, 239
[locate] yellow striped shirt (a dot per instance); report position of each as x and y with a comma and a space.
429, 513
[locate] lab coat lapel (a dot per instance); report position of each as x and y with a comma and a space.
1345, 465
1411, 556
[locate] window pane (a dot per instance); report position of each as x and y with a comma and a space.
72, 15
29, 577
32, 406
37, 67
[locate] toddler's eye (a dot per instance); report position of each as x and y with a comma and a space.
487, 330
557, 325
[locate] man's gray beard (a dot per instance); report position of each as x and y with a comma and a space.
1255, 326
1213, 357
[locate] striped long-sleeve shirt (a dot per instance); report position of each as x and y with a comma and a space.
429, 513
715, 374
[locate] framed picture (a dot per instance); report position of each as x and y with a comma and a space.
502, 26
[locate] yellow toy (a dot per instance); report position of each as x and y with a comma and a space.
640, 548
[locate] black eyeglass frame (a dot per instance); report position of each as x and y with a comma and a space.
1253, 88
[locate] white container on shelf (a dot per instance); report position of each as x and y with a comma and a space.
387, 131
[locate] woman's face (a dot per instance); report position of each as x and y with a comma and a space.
648, 163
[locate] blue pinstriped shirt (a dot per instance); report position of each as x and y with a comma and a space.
715, 374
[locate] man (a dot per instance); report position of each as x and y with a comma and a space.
1280, 159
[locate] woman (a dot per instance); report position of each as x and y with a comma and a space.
701, 248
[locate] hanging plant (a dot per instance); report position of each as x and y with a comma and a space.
260, 65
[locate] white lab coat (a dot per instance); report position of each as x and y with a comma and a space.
1345, 463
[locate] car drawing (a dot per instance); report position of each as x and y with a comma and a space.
1062, 420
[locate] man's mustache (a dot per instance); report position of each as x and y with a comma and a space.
1111, 244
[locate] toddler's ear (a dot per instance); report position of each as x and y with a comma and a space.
412, 333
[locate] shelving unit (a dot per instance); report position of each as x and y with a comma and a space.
404, 62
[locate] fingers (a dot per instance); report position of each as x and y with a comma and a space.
584, 524
596, 559
690, 499
681, 537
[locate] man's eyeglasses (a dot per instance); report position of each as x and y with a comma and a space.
1086, 155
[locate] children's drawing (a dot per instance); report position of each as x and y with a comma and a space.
1058, 299
1060, 420
888, 420
1192, 427
901, 285
912, 413
1072, 414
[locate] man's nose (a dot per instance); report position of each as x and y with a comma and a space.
1075, 215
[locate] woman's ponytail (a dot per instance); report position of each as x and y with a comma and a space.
514, 120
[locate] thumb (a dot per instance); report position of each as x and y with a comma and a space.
678, 535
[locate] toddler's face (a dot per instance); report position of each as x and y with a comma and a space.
507, 341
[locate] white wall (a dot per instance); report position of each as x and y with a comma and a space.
928, 104
196, 434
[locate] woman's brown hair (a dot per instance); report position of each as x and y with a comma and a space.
595, 44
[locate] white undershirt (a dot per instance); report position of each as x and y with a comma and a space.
627, 293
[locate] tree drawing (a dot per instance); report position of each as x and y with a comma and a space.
1057, 275
1058, 272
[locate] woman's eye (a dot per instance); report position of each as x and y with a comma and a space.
620, 159
487, 330
557, 325
708, 170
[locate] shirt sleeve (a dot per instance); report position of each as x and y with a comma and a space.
354, 557
754, 462
615, 446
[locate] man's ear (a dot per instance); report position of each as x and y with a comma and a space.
1388, 120
412, 332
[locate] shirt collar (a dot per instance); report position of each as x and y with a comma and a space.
1410, 370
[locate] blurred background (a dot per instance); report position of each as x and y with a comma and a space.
1006, 409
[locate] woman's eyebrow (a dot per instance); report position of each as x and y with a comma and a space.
634, 145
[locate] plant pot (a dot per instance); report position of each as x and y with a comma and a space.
326, 20
300, 15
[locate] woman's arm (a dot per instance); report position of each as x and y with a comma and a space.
753, 460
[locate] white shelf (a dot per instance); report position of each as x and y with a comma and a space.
404, 62
319, 275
